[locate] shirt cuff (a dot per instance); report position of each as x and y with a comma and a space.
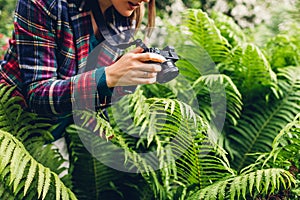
100, 78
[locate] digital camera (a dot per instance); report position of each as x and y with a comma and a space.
169, 70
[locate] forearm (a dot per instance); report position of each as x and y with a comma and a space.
84, 91
56, 97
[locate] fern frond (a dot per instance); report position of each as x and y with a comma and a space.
32, 131
96, 165
250, 71
225, 97
286, 145
204, 47
260, 182
177, 135
229, 29
20, 123
17, 160
95, 122
204, 34
290, 131
261, 122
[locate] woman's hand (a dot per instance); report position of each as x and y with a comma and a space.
132, 69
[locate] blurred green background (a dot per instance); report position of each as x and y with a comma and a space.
247, 13
262, 19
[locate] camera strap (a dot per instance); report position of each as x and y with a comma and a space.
102, 27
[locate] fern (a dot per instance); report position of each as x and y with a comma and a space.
203, 49
201, 164
204, 34
201, 54
171, 138
284, 147
96, 160
177, 135
285, 153
224, 96
33, 133
16, 158
200, 85
258, 127
250, 71
288, 136
229, 29
31, 130
15, 120
282, 51
95, 163
260, 182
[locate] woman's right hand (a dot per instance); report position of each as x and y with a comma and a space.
133, 68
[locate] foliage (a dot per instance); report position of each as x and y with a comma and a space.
176, 135
18, 165
286, 146
99, 180
283, 51
183, 133
29, 168
226, 128
229, 29
253, 76
7, 8
264, 181
285, 152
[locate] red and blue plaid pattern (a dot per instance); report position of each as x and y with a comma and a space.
48, 55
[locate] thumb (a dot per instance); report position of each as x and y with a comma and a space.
137, 50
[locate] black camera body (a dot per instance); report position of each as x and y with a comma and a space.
169, 70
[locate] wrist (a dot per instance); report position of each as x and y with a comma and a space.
109, 78
101, 82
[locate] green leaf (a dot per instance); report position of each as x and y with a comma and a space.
58, 188
46, 182
20, 170
261, 122
30, 176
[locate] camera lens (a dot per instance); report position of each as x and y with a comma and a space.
169, 72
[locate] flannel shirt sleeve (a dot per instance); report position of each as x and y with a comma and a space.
42, 55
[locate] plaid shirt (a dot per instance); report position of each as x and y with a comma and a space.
48, 55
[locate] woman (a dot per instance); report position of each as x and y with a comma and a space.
50, 46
